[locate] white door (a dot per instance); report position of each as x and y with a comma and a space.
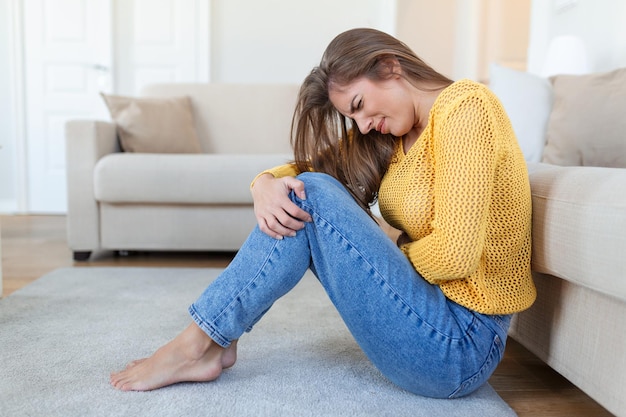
67, 55
161, 41
69, 51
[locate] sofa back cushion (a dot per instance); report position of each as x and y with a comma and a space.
587, 126
237, 118
527, 99
154, 125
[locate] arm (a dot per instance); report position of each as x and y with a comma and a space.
86, 142
465, 153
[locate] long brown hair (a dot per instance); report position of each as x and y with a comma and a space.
326, 141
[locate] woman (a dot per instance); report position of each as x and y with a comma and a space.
431, 311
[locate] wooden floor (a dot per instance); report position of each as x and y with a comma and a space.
35, 245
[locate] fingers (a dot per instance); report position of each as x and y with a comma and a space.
275, 229
297, 186
282, 218
276, 214
290, 207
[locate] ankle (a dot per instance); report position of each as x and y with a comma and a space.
196, 342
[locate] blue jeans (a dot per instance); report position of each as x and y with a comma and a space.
411, 332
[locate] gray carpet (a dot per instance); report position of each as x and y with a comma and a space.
62, 335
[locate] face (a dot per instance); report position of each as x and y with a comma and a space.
385, 106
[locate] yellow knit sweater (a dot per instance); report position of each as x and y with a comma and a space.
462, 195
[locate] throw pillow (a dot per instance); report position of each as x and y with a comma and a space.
587, 126
527, 99
154, 125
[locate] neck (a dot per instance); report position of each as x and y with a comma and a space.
424, 101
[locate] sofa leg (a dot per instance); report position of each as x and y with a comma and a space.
81, 256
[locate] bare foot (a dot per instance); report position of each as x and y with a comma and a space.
191, 357
228, 359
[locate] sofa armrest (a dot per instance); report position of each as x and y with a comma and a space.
579, 225
86, 142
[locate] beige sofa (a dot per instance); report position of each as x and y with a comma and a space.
192, 198
578, 323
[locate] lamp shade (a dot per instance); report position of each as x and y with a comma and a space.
566, 55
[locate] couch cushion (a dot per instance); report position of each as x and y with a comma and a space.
527, 99
234, 118
587, 126
179, 179
154, 125
579, 225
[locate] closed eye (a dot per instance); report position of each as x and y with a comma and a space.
358, 106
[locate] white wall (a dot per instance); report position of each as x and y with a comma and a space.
599, 23
281, 40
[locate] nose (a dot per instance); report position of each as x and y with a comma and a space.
365, 124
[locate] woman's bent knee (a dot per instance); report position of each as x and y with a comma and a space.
325, 192
319, 178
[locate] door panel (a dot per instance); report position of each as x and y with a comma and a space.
161, 41
67, 54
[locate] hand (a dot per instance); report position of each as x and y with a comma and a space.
402, 239
276, 214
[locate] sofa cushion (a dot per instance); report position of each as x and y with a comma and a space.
237, 118
527, 99
579, 225
179, 179
154, 125
587, 126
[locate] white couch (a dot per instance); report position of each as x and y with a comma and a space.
578, 323
140, 200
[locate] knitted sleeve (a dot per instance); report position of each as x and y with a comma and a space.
287, 170
465, 153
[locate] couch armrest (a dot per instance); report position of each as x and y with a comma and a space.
579, 225
86, 142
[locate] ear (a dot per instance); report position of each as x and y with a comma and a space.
391, 65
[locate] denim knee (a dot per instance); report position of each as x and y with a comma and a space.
321, 181
322, 188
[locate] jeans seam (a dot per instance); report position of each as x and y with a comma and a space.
210, 325
502, 324
486, 366
253, 279
208, 328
